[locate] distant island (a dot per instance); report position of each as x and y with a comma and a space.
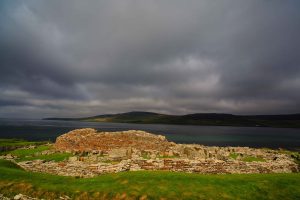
204, 119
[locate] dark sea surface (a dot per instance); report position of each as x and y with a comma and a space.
37, 130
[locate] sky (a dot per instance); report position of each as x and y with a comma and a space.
77, 58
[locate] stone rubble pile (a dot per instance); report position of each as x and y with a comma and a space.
104, 152
87, 140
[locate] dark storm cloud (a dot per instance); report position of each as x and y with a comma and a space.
90, 57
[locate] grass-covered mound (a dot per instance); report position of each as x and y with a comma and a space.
149, 185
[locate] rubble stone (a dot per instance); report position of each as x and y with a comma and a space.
88, 140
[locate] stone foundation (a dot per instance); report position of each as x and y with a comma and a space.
209, 166
101, 153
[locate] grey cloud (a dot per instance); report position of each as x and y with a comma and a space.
91, 57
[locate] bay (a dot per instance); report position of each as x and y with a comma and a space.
39, 130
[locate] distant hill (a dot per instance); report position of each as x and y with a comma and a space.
205, 119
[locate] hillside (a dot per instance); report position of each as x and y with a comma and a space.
205, 119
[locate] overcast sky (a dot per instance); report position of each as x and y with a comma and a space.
76, 58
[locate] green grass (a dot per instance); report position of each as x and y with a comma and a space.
17, 142
145, 156
234, 156
34, 154
51, 157
150, 184
8, 164
22, 153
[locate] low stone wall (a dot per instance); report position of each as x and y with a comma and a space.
207, 166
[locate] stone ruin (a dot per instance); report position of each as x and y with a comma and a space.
96, 153
88, 140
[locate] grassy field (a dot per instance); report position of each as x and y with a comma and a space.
17, 142
35, 154
21, 153
149, 185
